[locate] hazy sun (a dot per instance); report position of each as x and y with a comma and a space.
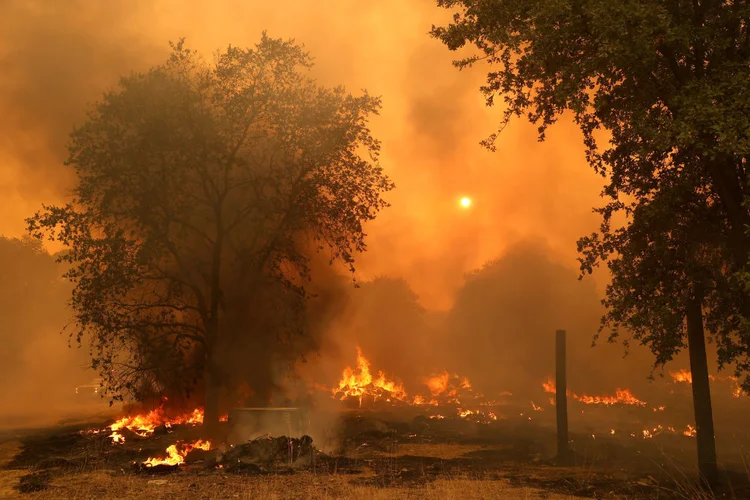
465, 202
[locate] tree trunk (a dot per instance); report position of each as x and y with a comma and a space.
704, 422
211, 407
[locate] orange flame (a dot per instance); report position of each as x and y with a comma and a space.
176, 453
443, 387
437, 384
682, 376
361, 382
622, 396
144, 424
687, 377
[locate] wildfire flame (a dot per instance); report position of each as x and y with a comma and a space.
144, 424
622, 396
176, 453
361, 382
686, 377
682, 376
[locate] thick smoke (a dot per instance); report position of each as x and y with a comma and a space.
39, 372
55, 57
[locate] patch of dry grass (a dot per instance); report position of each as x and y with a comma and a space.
186, 486
444, 451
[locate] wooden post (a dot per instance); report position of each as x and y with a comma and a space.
561, 398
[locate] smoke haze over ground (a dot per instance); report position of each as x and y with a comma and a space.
530, 200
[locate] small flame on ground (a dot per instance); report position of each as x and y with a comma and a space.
622, 396
144, 424
176, 453
686, 377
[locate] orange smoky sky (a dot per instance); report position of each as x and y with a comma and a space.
55, 57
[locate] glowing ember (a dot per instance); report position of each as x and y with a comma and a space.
176, 453
549, 386
536, 407
690, 431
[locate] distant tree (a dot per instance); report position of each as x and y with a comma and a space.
505, 309
668, 81
202, 191
383, 315
31, 292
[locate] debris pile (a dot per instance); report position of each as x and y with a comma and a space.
268, 453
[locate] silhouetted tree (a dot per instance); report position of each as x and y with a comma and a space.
667, 267
202, 190
668, 80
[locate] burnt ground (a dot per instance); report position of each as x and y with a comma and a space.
383, 452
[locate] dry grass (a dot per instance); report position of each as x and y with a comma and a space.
185, 486
444, 451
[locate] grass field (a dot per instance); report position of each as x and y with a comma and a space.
43, 464
106, 484
200, 485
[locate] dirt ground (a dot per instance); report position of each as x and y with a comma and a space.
378, 458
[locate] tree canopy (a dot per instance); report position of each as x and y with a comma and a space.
667, 81
204, 189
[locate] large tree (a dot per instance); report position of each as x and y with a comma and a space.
668, 81
203, 191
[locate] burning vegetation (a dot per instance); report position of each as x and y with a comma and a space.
442, 396
218, 205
